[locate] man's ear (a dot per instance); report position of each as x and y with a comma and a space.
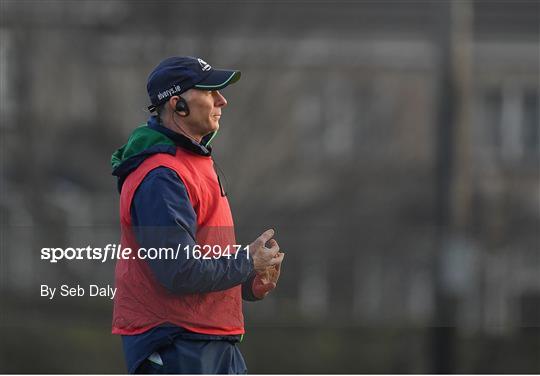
171, 103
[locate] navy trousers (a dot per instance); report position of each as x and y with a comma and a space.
197, 357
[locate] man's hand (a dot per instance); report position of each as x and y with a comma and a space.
264, 257
267, 281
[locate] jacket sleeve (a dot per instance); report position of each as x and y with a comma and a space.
163, 217
247, 289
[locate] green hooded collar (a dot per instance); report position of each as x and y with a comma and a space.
142, 139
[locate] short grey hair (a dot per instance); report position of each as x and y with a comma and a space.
160, 111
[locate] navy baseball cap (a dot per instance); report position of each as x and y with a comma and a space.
176, 75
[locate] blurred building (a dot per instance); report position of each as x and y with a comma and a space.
332, 133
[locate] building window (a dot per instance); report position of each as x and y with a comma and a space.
512, 119
7, 99
531, 121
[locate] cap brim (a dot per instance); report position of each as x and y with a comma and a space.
218, 79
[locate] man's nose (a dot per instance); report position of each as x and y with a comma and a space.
220, 100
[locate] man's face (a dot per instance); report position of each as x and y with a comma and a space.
204, 110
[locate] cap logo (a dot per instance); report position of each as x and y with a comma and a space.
167, 93
204, 65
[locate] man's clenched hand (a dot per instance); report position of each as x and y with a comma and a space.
264, 257
267, 281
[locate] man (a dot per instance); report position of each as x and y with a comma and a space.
183, 314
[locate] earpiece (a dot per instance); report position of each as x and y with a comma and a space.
182, 106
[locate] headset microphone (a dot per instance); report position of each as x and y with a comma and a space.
182, 106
